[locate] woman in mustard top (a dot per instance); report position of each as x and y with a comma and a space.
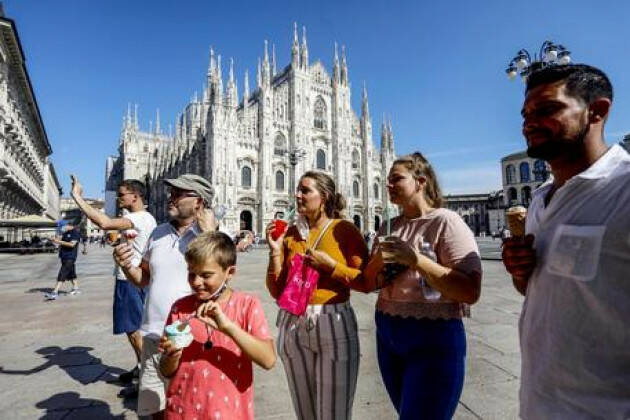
320, 349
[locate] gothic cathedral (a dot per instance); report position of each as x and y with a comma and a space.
254, 148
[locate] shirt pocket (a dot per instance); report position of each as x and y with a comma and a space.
575, 251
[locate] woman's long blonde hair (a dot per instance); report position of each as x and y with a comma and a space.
419, 167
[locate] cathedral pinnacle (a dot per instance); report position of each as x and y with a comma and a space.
135, 119
266, 57
246, 87
273, 59
304, 49
157, 122
211, 65
365, 108
231, 70
295, 48
344, 66
259, 75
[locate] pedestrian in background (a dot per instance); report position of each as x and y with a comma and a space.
420, 336
68, 246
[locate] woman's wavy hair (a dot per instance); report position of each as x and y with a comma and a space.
420, 167
325, 185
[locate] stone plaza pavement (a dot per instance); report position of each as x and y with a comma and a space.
58, 359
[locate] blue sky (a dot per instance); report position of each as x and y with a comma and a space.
436, 67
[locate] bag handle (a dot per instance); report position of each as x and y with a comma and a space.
321, 234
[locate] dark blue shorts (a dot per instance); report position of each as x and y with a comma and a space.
128, 307
67, 271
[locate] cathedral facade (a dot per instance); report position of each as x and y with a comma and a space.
254, 147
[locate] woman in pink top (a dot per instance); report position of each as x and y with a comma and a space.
430, 271
212, 377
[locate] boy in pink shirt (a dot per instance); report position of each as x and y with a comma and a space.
212, 377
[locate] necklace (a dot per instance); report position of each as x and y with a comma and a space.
209, 344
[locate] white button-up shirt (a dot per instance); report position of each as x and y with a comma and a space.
575, 323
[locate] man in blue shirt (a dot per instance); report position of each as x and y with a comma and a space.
68, 247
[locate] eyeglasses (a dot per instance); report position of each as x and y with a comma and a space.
175, 195
119, 195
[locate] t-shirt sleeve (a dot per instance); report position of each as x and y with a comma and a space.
457, 247
134, 218
256, 320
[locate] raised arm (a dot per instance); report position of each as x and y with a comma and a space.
99, 218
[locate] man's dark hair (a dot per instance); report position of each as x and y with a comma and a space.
135, 186
582, 81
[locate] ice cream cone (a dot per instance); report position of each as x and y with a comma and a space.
516, 220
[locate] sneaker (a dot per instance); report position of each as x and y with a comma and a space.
128, 377
50, 296
74, 292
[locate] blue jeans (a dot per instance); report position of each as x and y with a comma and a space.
422, 362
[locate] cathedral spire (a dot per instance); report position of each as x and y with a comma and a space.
246, 90
295, 48
266, 57
219, 72
258, 75
127, 120
365, 108
304, 49
211, 64
384, 135
135, 119
273, 59
344, 66
157, 122
231, 77
391, 135
336, 66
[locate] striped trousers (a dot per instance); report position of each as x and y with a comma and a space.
320, 354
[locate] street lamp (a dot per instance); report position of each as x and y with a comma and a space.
550, 54
295, 155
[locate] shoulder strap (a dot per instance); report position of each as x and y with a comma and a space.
321, 234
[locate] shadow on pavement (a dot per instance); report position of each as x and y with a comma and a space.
81, 408
76, 361
40, 290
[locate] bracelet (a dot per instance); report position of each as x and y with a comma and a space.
274, 254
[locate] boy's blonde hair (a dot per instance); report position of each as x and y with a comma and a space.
215, 245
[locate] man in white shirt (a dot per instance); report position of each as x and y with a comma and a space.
136, 224
573, 266
163, 271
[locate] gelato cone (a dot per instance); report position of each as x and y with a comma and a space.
179, 334
516, 220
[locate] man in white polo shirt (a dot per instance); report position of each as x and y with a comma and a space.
163, 272
574, 265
